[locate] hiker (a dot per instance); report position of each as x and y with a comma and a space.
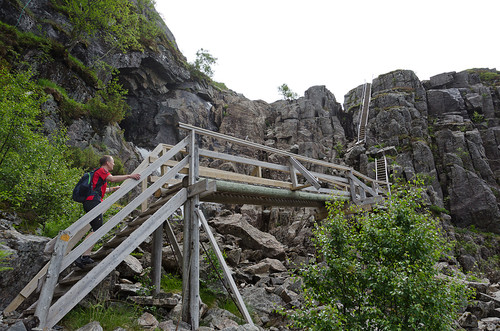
99, 187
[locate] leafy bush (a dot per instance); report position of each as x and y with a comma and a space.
287, 93
120, 23
109, 104
477, 118
36, 178
204, 62
378, 271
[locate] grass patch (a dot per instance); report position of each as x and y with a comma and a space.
438, 210
119, 315
171, 283
216, 299
70, 108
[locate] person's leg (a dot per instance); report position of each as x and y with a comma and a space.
96, 223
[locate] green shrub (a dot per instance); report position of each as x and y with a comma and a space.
36, 178
109, 104
378, 271
438, 210
171, 283
477, 118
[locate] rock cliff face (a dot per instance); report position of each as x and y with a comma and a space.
442, 129
446, 129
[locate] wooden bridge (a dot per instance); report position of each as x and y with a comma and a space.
176, 176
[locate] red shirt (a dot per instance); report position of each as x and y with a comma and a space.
99, 181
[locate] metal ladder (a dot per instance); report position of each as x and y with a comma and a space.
381, 173
363, 117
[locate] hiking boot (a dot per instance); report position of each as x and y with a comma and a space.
87, 259
83, 260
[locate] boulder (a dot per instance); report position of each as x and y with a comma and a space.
472, 201
441, 102
125, 290
19, 326
174, 326
489, 323
262, 301
244, 327
220, 319
92, 326
265, 266
130, 267
148, 321
481, 309
468, 320
25, 260
163, 300
251, 237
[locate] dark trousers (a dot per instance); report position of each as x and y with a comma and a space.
88, 205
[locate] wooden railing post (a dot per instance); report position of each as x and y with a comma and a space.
47, 292
191, 258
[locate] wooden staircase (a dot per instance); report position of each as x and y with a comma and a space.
58, 295
363, 117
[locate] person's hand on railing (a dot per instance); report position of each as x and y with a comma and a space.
135, 176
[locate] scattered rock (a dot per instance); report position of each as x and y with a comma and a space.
148, 321
93, 326
468, 320
251, 237
130, 267
163, 301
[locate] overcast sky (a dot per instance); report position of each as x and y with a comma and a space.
341, 44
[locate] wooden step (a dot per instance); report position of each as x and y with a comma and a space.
125, 232
138, 221
115, 242
101, 254
72, 279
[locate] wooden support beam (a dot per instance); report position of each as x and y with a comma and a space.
362, 185
173, 241
47, 292
186, 260
257, 172
156, 254
194, 273
354, 196
203, 187
300, 187
225, 269
293, 175
226, 175
307, 175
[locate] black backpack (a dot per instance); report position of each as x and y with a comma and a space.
83, 188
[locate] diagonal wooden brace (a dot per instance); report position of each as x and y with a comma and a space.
307, 175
